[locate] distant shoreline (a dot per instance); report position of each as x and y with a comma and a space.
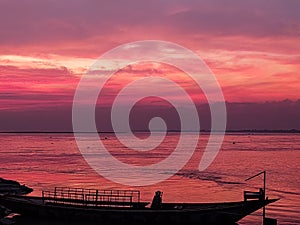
291, 131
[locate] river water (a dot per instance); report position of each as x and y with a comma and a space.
43, 161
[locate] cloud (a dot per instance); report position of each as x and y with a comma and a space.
24, 89
80, 26
267, 115
274, 115
253, 76
240, 18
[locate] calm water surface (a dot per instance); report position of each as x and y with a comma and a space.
43, 161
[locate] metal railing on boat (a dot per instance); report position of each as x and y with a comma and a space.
92, 197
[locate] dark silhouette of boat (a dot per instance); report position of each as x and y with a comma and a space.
125, 207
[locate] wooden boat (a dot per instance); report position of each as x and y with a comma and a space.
125, 207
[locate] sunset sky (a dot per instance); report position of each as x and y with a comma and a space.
252, 47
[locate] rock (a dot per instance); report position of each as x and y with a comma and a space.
13, 187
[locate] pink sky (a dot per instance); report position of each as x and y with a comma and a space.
252, 47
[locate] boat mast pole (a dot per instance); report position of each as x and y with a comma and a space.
264, 194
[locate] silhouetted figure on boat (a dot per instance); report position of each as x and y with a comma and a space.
157, 200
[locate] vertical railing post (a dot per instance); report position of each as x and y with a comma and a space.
96, 203
55, 194
264, 196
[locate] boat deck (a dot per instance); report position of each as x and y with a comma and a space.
93, 197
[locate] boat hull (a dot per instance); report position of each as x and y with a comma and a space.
170, 213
